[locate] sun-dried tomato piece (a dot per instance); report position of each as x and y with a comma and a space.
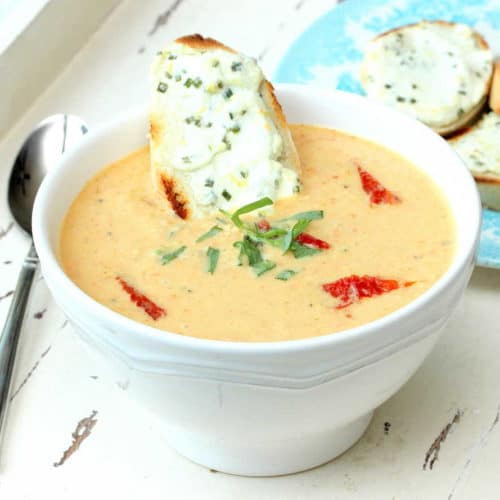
354, 288
263, 225
153, 310
378, 193
310, 241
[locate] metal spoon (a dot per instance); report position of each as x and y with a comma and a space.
50, 139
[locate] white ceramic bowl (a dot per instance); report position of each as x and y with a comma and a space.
279, 407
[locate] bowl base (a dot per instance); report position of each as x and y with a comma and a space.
271, 459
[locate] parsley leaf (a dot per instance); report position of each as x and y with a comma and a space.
213, 259
285, 275
213, 231
311, 215
245, 209
166, 257
299, 251
249, 249
263, 266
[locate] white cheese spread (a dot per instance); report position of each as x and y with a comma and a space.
434, 71
219, 135
479, 147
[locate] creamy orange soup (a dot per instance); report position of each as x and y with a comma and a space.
118, 229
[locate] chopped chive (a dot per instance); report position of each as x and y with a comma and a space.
210, 233
178, 78
166, 257
235, 129
197, 82
172, 56
162, 87
227, 142
243, 174
186, 159
263, 267
215, 63
220, 84
226, 195
285, 275
400, 99
231, 115
236, 66
209, 183
168, 75
309, 215
213, 259
188, 82
228, 93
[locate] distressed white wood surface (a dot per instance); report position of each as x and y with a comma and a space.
60, 380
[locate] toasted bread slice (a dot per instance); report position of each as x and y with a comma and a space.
495, 89
218, 137
437, 71
479, 148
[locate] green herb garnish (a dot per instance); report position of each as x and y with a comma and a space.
209, 183
188, 82
162, 87
310, 215
226, 194
263, 266
213, 231
299, 251
213, 259
166, 257
228, 93
249, 249
236, 66
285, 275
246, 209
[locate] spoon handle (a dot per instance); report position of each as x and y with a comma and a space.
12, 328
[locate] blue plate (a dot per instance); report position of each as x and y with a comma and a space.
328, 54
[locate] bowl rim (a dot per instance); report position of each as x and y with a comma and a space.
51, 266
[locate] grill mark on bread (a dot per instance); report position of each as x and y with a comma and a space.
176, 199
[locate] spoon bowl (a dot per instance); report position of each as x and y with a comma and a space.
40, 151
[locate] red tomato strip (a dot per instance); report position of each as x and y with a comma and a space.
263, 225
153, 310
310, 241
378, 193
354, 288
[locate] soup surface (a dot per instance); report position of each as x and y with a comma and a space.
120, 238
